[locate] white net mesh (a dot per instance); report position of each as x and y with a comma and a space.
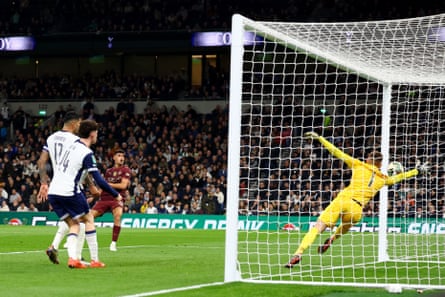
411, 50
330, 78
416, 205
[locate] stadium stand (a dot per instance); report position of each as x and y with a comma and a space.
178, 157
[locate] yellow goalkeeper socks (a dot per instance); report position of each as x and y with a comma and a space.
308, 239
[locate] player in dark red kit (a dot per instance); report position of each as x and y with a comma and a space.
118, 177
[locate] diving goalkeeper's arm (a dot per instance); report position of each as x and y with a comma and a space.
421, 168
336, 152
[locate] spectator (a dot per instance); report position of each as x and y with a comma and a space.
4, 206
32, 207
136, 206
15, 199
195, 208
186, 209
178, 207
4, 194
208, 203
170, 207
22, 207
144, 206
3, 131
220, 200
151, 209
161, 208
4, 112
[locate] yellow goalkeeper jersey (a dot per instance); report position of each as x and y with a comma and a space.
366, 179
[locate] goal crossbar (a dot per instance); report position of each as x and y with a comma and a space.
354, 50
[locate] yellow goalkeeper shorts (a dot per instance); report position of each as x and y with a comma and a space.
349, 210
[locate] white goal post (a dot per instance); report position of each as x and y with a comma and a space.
364, 86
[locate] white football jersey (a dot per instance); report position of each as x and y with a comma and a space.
69, 157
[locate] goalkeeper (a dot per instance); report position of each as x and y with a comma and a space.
366, 181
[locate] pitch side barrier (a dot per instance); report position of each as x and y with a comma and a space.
218, 222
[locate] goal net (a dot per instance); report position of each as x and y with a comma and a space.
364, 86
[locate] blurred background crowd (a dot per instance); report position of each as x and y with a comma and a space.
54, 16
112, 85
178, 158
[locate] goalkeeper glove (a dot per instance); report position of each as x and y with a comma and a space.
311, 135
424, 168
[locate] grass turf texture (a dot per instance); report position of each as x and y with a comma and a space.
353, 258
147, 261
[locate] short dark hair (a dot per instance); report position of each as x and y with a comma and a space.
86, 127
119, 151
376, 156
70, 116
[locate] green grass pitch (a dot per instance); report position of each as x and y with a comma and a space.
351, 259
148, 263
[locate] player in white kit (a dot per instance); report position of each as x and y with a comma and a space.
71, 125
70, 156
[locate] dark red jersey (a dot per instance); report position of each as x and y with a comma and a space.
114, 175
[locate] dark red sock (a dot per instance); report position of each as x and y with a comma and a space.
116, 231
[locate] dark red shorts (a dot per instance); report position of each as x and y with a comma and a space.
102, 206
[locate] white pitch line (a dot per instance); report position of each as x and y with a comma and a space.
20, 252
154, 293
120, 247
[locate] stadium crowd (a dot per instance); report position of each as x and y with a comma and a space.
40, 17
178, 161
111, 85
179, 158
